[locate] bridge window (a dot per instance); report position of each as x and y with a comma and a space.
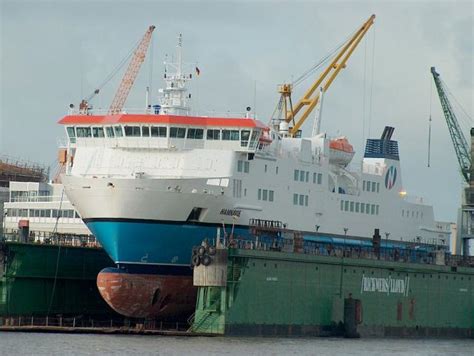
98, 131
84, 132
195, 134
132, 131
230, 135
158, 131
145, 131
109, 131
177, 132
244, 138
213, 134
71, 132
118, 131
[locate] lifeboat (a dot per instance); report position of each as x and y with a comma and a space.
341, 151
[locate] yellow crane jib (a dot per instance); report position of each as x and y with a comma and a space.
310, 99
131, 73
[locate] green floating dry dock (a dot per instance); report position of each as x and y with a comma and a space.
40, 280
256, 292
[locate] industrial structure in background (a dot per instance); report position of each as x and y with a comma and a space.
464, 154
17, 170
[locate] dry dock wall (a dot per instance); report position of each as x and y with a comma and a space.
276, 293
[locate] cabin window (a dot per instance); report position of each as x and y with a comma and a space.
109, 131
373, 186
84, 132
71, 132
302, 176
239, 165
118, 131
177, 132
270, 195
357, 207
195, 134
213, 134
158, 131
295, 199
362, 208
132, 131
244, 138
377, 210
254, 138
352, 206
306, 200
307, 176
230, 135
145, 131
246, 167
296, 174
259, 194
301, 199
320, 178
98, 131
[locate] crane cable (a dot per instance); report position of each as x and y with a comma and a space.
117, 68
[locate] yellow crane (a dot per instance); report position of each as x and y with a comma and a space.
310, 99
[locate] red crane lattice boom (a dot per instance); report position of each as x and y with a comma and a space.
131, 73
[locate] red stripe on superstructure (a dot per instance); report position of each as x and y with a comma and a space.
159, 119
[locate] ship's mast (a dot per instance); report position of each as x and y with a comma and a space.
175, 100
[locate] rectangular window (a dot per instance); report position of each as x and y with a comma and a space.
363, 185
158, 131
403, 213
276, 170
367, 208
84, 132
109, 130
346, 205
357, 207
118, 131
342, 205
306, 200
132, 131
270, 195
301, 176
362, 208
259, 194
195, 134
374, 186
246, 167
296, 174
239, 165
265, 195
352, 206
177, 132
230, 135
376, 210
307, 176
372, 209
213, 134
266, 167
378, 187
314, 177
145, 131
244, 135
320, 178
98, 132
71, 132
295, 199
301, 199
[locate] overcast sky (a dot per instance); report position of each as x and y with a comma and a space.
54, 53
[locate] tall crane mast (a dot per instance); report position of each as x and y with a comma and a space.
312, 96
131, 73
459, 141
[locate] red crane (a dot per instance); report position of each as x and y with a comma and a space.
131, 73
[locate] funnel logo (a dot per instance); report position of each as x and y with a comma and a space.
390, 177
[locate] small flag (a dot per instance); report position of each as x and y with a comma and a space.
198, 72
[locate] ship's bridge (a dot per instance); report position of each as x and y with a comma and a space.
164, 132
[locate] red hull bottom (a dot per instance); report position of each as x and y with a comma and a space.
147, 296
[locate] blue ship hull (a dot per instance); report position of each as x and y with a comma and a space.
151, 246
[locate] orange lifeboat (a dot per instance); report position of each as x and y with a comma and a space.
341, 151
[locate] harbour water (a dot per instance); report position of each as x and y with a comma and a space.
67, 344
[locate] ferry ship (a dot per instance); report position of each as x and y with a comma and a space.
152, 185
